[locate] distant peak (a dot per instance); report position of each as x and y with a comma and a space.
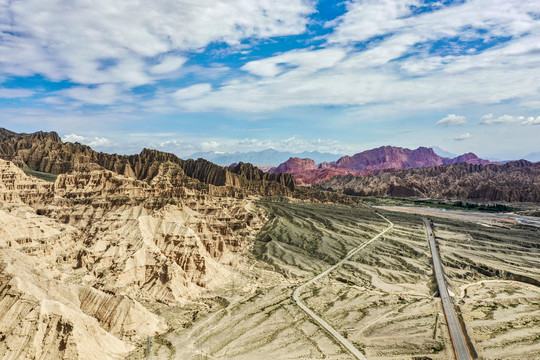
52, 135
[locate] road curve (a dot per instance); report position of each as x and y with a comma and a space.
458, 339
336, 335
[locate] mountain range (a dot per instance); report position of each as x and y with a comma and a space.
307, 172
270, 157
45, 152
533, 157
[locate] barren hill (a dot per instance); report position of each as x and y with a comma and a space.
89, 259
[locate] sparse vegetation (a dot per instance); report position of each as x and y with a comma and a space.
40, 175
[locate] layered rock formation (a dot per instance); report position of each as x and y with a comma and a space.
80, 256
369, 162
517, 181
296, 164
389, 157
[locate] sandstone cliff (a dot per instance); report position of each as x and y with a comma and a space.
16, 187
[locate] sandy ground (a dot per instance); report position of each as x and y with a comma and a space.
503, 319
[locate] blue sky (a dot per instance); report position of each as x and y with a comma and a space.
241, 75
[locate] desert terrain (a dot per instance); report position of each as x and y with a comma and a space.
98, 265
383, 300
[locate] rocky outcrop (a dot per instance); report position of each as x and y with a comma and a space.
251, 172
296, 165
517, 181
467, 158
43, 317
389, 157
306, 172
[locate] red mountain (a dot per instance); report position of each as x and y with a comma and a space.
295, 164
307, 172
390, 157
369, 162
469, 158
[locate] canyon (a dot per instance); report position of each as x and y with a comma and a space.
95, 248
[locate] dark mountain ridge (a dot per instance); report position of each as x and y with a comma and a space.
515, 181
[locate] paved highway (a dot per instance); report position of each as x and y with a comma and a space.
336, 335
458, 339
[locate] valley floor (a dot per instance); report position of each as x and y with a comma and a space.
383, 300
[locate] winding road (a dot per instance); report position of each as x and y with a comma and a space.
333, 332
458, 339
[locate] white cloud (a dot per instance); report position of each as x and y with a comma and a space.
15, 93
109, 41
531, 120
293, 144
99, 141
296, 62
452, 120
366, 19
168, 64
224, 145
73, 138
105, 94
90, 141
210, 145
463, 137
192, 92
369, 18
381, 76
504, 119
